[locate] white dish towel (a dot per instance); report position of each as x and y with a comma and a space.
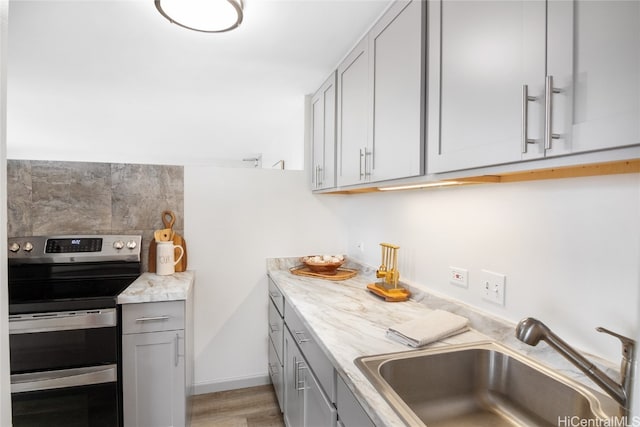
435, 326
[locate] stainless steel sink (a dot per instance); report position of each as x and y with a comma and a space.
484, 384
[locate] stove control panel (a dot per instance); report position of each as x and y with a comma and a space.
84, 244
85, 248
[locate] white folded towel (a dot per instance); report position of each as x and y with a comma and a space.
435, 326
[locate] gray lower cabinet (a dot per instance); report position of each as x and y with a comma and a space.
293, 391
276, 359
306, 405
351, 413
156, 364
301, 374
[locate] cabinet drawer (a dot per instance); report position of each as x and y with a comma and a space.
276, 296
276, 328
317, 360
152, 317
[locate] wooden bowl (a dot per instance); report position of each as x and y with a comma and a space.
328, 268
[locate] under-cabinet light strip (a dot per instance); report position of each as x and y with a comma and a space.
424, 185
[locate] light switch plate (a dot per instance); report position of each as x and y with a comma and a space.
493, 286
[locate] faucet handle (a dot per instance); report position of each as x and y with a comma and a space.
628, 345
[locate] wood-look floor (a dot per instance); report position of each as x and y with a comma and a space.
247, 407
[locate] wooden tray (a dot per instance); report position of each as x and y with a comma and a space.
341, 273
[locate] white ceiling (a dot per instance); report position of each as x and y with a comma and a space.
109, 80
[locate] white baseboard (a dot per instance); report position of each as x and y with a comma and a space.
230, 384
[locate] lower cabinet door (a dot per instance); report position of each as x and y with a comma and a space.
294, 366
305, 404
153, 379
351, 413
318, 411
275, 373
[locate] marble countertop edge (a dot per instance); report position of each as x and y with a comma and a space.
150, 287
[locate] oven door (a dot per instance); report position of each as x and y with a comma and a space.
79, 397
64, 368
62, 340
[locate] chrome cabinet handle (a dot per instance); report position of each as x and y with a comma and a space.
274, 294
151, 319
273, 370
273, 327
317, 176
361, 158
549, 90
319, 181
177, 349
299, 383
368, 161
300, 340
525, 117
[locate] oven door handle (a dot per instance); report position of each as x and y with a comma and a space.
66, 378
62, 321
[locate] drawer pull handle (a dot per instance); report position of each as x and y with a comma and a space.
301, 340
274, 294
273, 327
151, 319
273, 370
300, 383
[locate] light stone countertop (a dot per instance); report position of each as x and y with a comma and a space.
349, 322
150, 287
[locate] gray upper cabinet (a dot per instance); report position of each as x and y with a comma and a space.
354, 111
380, 99
397, 66
481, 53
521, 80
593, 59
323, 135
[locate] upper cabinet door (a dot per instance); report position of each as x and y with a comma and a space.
381, 98
594, 65
481, 55
354, 115
323, 106
397, 64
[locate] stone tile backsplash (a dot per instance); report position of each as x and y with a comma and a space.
51, 197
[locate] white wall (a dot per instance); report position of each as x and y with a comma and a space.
234, 220
570, 248
113, 81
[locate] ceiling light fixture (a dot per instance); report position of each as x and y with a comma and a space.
206, 16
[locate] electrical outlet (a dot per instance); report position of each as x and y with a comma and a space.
459, 277
493, 286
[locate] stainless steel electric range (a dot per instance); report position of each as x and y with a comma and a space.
64, 333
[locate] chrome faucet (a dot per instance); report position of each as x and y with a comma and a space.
531, 331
